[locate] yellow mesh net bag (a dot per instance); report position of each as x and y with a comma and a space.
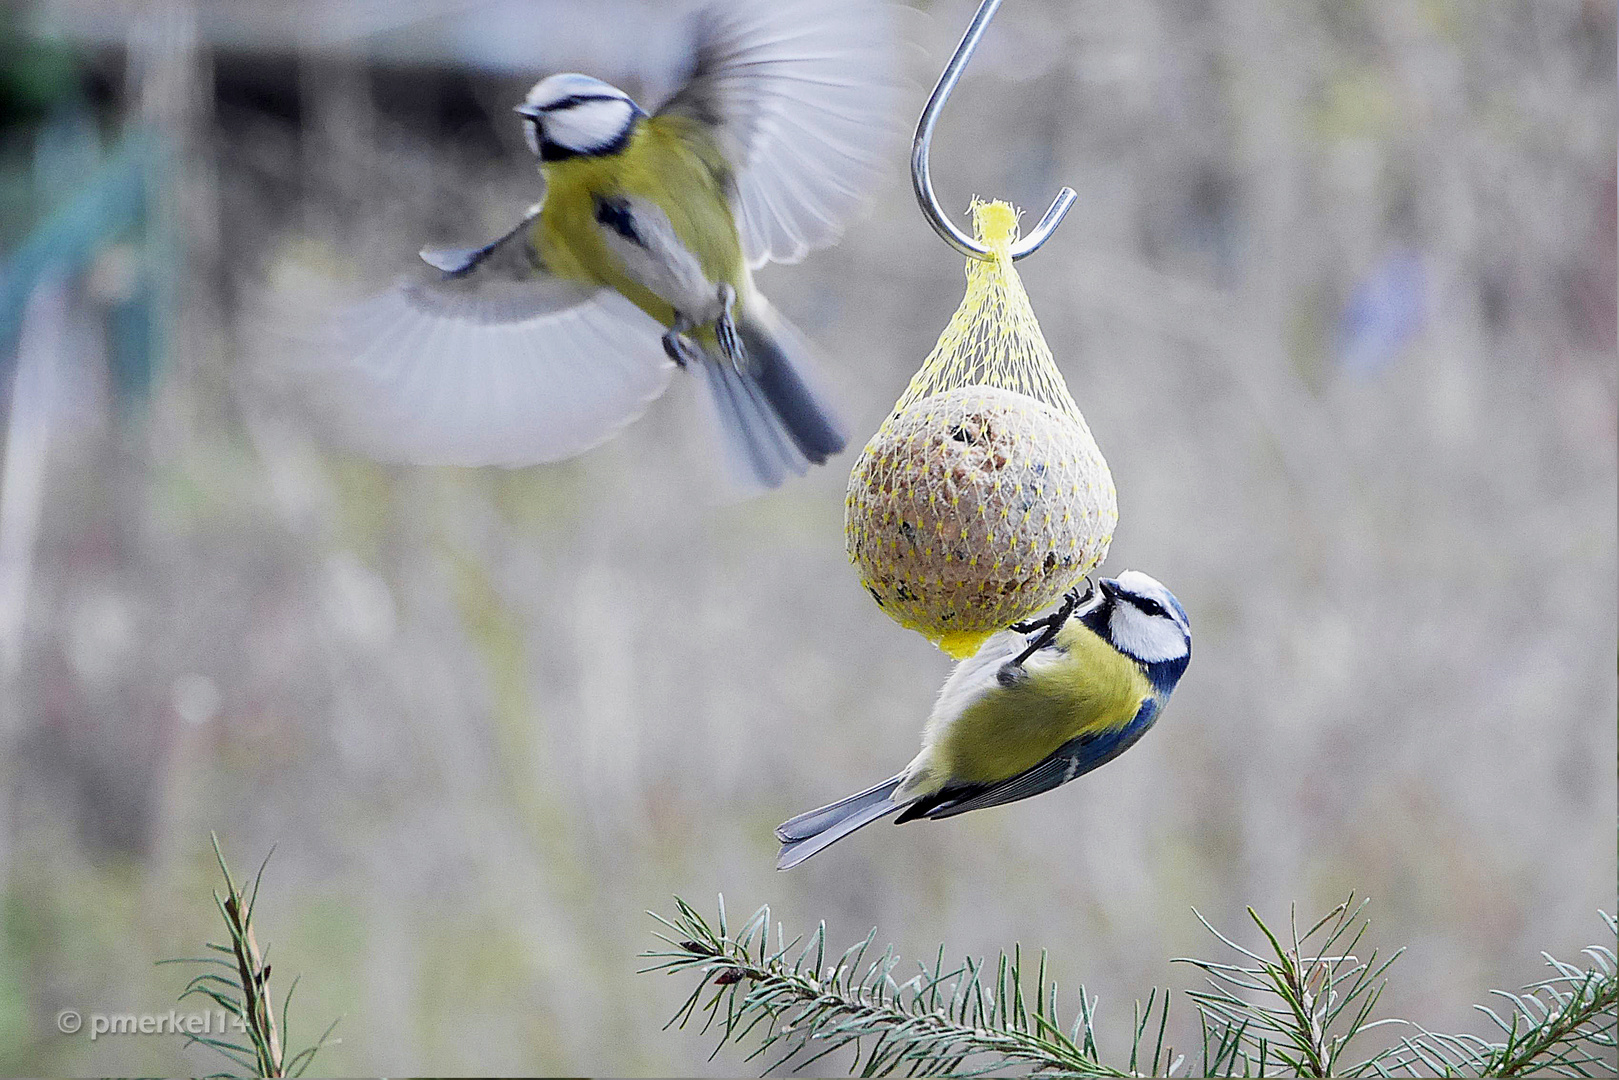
983, 497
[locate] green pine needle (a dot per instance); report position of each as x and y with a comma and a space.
241, 988
1290, 1007
961, 1020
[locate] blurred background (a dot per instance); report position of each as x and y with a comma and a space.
1337, 299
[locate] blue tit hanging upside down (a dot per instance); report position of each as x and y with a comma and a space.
1035, 707
545, 342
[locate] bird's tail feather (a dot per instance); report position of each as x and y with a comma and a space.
779, 364
810, 832
772, 421
757, 447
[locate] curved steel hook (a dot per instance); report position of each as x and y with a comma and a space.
923, 182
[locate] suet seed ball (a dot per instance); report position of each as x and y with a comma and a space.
974, 508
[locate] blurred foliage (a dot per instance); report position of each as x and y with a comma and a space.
37, 75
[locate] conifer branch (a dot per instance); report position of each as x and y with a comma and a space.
962, 1020
1564, 1025
240, 986
1293, 1006
1290, 1007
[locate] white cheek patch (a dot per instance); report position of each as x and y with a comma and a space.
589, 125
1150, 639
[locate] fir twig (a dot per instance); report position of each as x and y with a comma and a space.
961, 1020
240, 986
1298, 1005
1562, 1026
1290, 1007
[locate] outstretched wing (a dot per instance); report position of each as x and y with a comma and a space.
802, 97
1070, 760
488, 359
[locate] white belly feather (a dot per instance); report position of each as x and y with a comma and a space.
653, 256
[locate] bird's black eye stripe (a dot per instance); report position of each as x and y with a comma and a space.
1148, 607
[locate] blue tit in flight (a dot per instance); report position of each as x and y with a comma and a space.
638, 261
1036, 706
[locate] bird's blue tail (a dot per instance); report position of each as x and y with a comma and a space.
778, 357
774, 423
808, 833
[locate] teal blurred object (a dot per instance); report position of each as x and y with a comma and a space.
112, 205
35, 75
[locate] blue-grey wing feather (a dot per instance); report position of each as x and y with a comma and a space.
802, 97
503, 281
484, 357
1072, 759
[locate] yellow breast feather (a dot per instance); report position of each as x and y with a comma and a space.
1010, 729
668, 162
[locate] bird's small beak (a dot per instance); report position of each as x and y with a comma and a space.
1109, 587
525, 109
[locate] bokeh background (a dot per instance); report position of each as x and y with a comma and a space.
1337, 299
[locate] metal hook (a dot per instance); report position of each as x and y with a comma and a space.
923, 182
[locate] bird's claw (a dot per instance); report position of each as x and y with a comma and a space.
1077, 597
725, 329
1048, 626
681, 349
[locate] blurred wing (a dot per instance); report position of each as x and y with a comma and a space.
802, 96
1073, 759
490, 360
